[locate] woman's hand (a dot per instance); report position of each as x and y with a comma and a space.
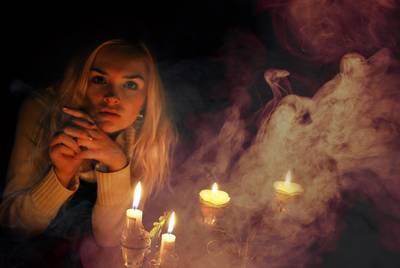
99, 146
63, 152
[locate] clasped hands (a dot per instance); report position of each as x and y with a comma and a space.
83, 140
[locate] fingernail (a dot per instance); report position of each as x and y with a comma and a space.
65, 109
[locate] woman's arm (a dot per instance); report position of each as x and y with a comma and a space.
113, 174
114, 196
29, 205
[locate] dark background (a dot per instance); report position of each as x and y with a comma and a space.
187, 38
183, 35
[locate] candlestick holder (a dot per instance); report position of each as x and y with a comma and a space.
286, 192
211, 215
135, 243
212, 204
171, 262
283, 200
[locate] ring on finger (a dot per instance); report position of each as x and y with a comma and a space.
92, 134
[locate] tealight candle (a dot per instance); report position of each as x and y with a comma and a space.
212, 203
168, 242
288, 187
214, 197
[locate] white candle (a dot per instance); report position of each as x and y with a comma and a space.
168, 241
134, 213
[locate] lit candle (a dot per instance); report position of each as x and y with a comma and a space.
168, 241
135, 241
134, 213
214, 197
212, 204
288, 187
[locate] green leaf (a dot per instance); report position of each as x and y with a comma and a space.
155, 232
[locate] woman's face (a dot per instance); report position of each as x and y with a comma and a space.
116, 90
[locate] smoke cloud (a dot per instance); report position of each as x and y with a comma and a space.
342, 145
323, 31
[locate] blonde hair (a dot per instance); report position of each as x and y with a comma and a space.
151, 152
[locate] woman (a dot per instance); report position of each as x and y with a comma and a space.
106, 122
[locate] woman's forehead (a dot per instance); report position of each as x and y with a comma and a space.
122, 61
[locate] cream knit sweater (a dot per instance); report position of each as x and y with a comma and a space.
29, 205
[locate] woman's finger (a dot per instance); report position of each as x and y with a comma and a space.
77, 114
95, 133
91, 129
89, 154
66, 140
60, 148
77, 133
89, 144
84, 123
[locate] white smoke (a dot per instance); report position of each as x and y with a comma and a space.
344, 141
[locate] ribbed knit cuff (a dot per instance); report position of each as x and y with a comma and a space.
49, 195
114, 187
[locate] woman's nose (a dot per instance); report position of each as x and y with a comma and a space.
110, 95
112, 99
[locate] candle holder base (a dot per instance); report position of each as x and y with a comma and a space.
211, 216
135, 243
171, 261
283, 200
133, 257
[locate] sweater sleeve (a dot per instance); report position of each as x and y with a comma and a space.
28, 205
114, 196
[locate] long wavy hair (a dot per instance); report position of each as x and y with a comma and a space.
152, 148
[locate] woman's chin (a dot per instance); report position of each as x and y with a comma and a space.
109, 128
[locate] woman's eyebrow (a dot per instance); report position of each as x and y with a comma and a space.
134, 76
99, 70
131, 76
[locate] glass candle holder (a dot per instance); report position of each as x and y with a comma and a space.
135, 243
212, 204
211, 215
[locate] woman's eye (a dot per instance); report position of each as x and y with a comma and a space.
130, 85
99, 80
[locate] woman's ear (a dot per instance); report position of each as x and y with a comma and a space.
139, 119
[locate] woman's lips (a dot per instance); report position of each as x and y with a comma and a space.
107, 115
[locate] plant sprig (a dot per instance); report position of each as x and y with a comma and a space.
155, 232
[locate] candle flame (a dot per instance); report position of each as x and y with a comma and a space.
171, 222
288, 178
214, 187
136, 195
